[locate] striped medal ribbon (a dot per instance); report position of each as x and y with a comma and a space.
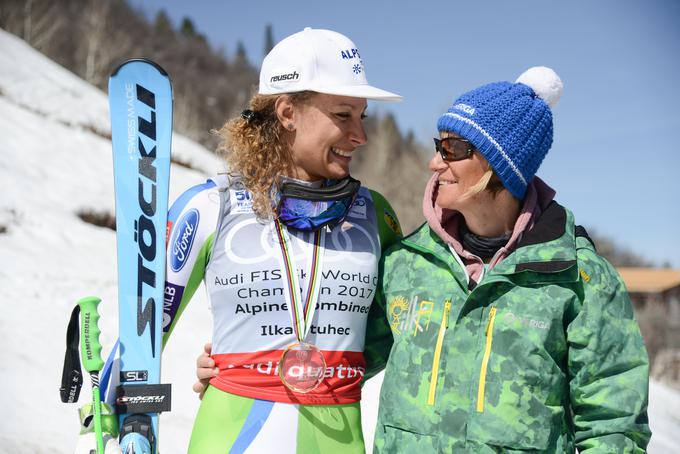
302, 365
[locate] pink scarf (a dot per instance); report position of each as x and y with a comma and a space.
445, 223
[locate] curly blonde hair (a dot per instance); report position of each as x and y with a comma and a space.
257, 149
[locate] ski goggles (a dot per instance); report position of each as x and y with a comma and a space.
453, 148
308, 209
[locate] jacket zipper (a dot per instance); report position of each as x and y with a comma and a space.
437, 352
485, 361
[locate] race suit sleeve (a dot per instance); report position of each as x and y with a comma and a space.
192, 221
608, 364
378, 333
389, 229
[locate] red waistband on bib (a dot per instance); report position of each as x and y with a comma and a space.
256, 375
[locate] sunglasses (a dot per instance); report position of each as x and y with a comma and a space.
453, 148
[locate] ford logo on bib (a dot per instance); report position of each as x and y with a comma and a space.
183, 239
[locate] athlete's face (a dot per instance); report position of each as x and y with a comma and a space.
327, 131
456, 178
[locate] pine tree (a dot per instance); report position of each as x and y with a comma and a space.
268, 39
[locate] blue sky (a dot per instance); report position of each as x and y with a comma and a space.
614, 161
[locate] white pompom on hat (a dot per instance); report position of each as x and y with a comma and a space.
545, 82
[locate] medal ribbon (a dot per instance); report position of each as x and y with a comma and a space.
301, 312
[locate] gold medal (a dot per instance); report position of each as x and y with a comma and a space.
302, 366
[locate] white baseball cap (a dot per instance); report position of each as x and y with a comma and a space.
318, 60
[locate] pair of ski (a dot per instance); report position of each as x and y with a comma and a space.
140, 99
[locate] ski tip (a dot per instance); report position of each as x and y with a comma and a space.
145, 60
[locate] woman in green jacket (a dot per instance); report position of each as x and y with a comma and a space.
508, 332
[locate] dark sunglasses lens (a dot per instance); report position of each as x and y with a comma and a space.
454, 149
438, 148
459, 149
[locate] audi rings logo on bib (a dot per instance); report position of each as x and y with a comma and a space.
358, 208
183, 239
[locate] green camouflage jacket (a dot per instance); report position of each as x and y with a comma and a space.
543, 355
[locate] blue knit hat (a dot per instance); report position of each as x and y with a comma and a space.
509, 123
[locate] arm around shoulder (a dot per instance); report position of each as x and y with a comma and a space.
379, 338
378, 332
389, 228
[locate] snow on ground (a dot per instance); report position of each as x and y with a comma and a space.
55, 160
664, 418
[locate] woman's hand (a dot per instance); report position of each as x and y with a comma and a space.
205, 370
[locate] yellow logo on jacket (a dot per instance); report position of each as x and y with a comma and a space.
396, 308
411, 318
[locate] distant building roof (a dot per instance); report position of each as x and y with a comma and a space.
649, 280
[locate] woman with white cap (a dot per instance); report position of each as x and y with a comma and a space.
287, 244
511, 334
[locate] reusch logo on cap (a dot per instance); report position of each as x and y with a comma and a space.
285, 77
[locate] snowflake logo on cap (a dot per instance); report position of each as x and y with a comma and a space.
356, 69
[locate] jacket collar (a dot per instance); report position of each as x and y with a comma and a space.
424, 239
545, 253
